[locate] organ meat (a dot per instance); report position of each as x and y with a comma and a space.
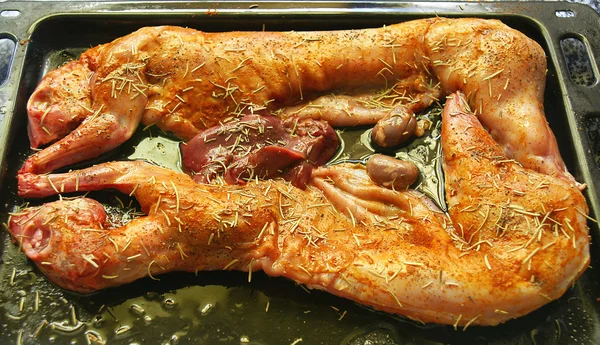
260, 146
514, 239
185, 81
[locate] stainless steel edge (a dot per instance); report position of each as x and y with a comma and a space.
11, 94
581, 101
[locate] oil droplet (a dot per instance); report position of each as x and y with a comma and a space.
147, 319
169, 303
122, 329
137, 310
208, 307
161, 148
150, 296
244, 339
98, 321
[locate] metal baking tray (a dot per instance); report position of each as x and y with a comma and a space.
222, 307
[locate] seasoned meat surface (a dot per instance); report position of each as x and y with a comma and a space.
184, 81
260, 146
514, 239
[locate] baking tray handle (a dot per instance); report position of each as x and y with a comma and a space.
578, 52
12, 55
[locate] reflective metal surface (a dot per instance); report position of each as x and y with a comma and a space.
223, 307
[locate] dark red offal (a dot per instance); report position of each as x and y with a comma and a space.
262, 146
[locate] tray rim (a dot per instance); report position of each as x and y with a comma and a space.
11, 93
